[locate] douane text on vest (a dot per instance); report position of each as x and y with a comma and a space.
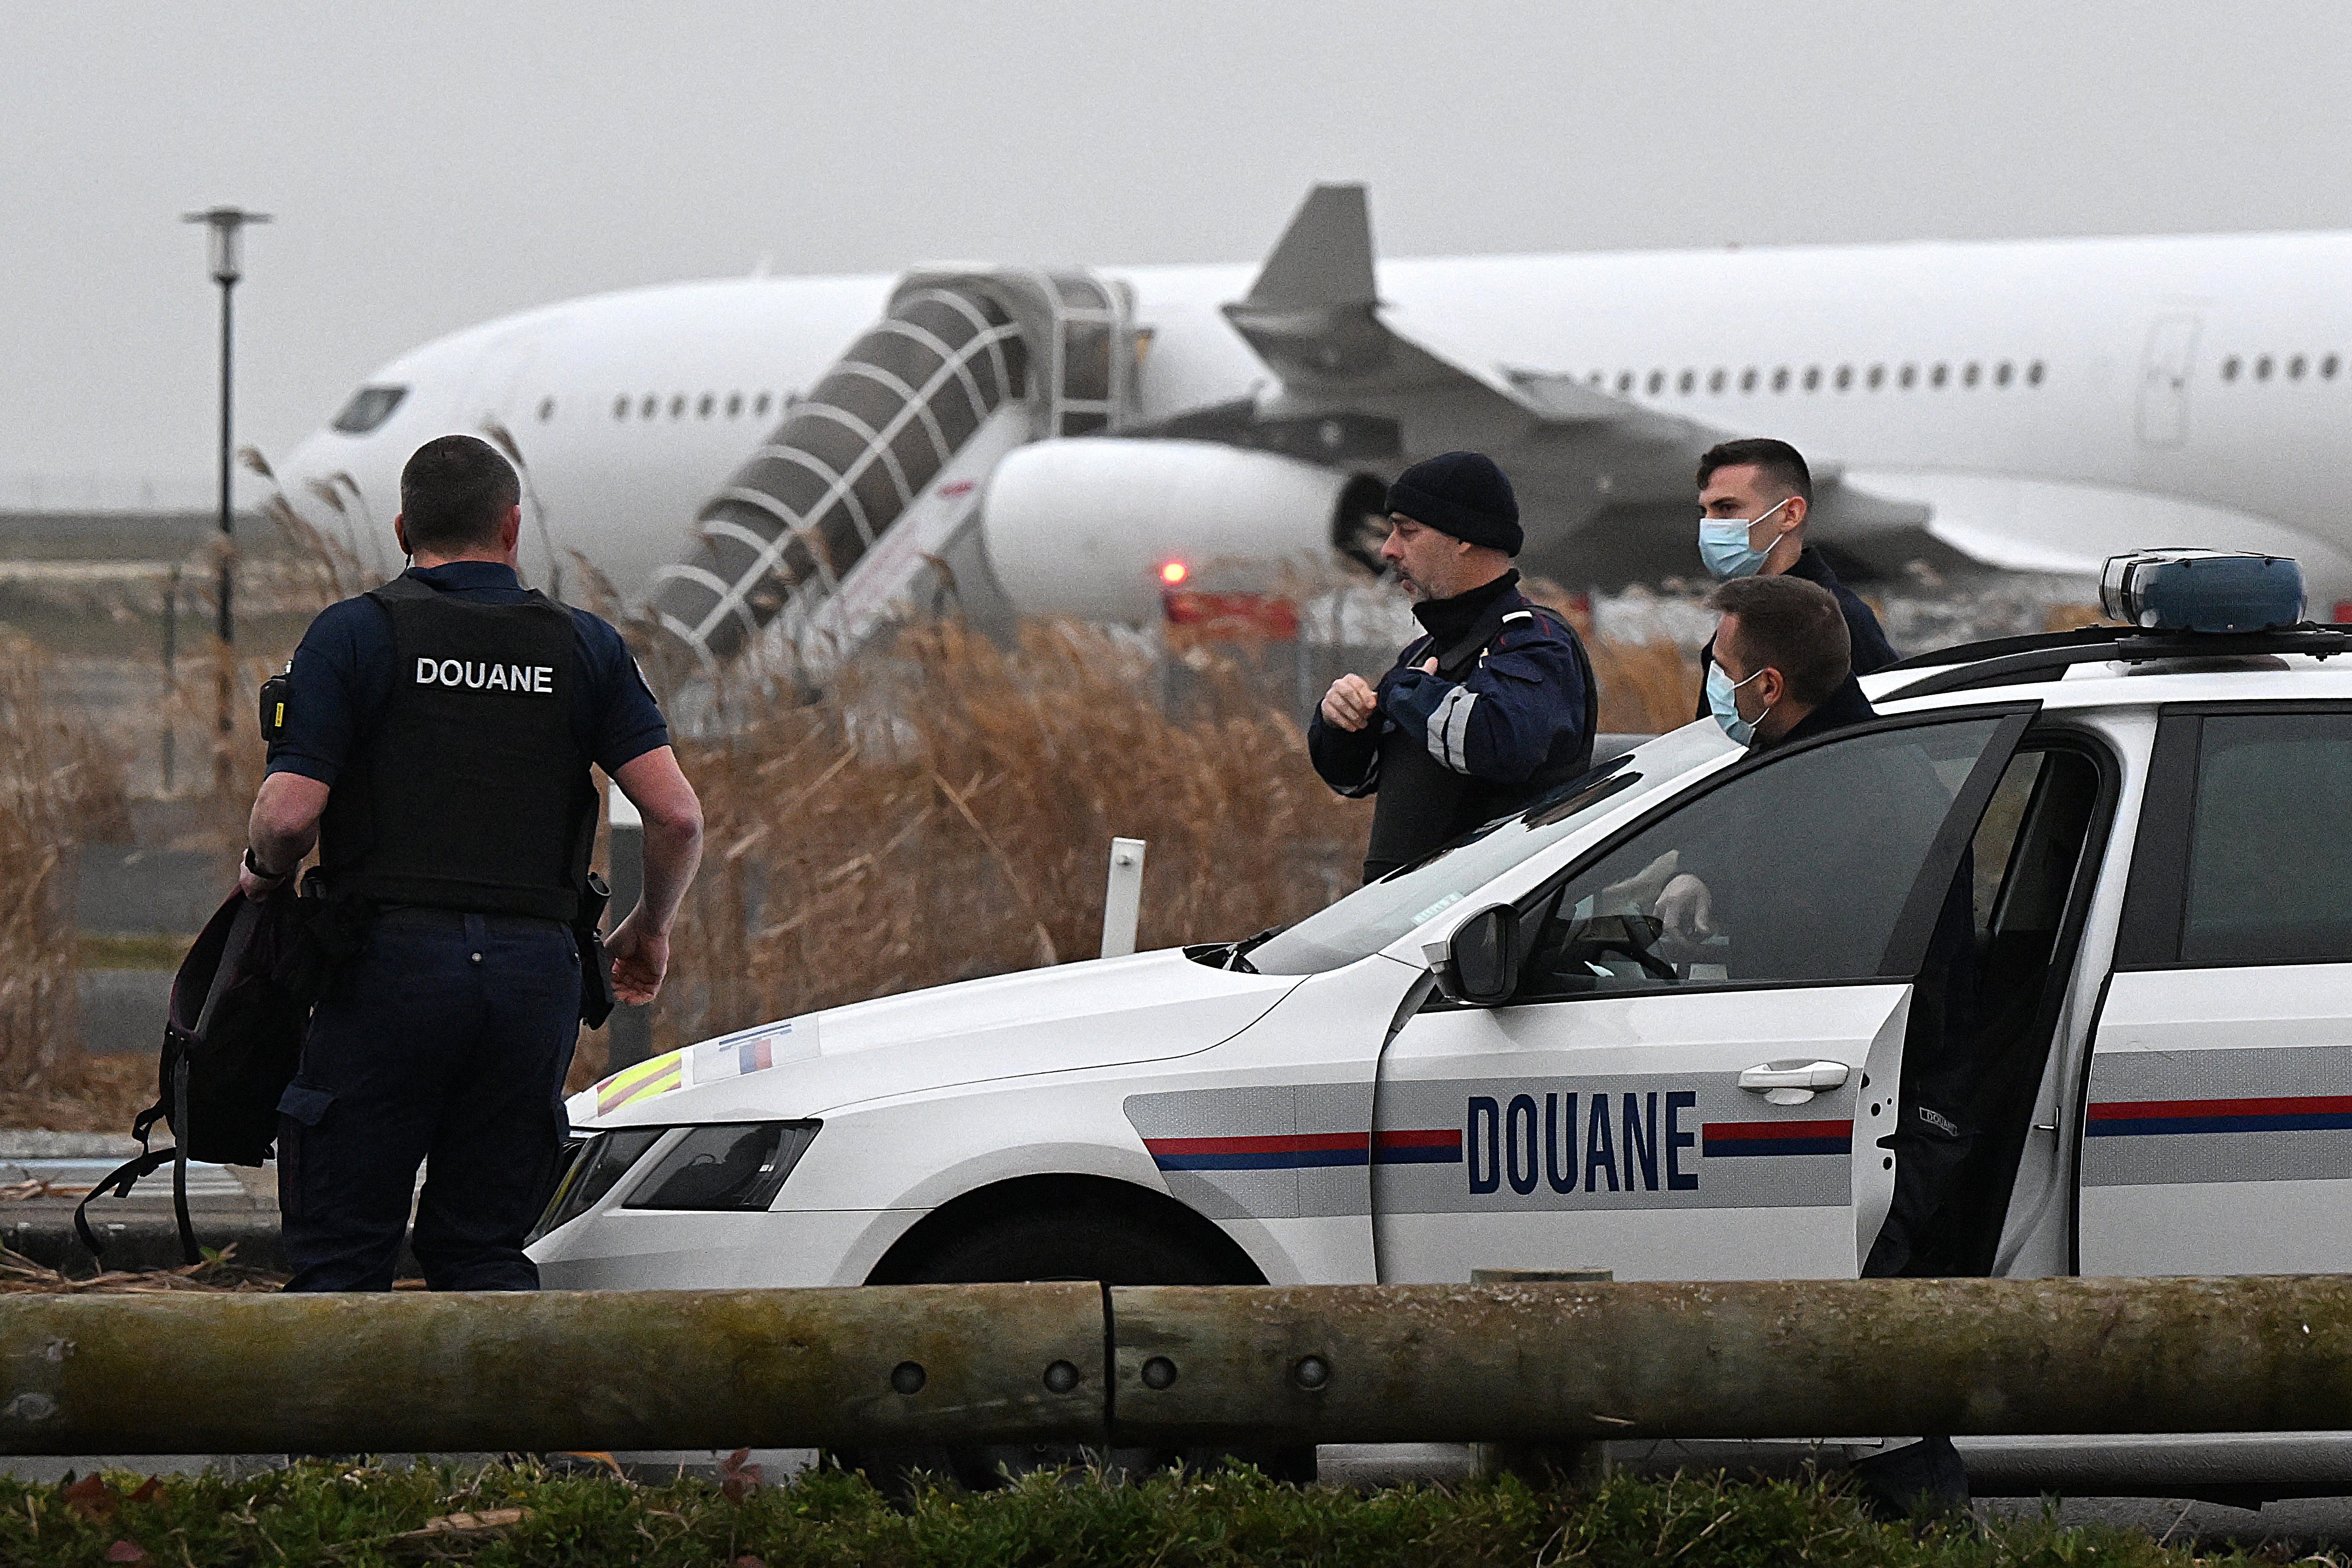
531, 679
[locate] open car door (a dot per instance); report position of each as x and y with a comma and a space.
1705, 1108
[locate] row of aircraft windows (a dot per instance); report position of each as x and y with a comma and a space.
734, 405
2294, 367
2297, 367
1874, 377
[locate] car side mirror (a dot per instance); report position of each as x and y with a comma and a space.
1481, 965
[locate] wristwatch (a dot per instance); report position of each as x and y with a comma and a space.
254, 866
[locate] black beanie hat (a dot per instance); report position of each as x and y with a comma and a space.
1463, 494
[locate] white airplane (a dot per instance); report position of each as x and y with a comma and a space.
792, 456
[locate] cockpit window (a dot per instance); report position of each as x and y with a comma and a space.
369, 407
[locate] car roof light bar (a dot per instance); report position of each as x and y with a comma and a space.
2202, 591
2175, 604
2125, 645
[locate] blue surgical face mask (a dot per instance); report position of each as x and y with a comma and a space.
1723, 544
1724, 704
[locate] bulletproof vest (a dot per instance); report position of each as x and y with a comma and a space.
469, 791
1421, 802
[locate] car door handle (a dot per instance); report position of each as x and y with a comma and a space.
1792, 1082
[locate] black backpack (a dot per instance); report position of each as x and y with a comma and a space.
240, 1004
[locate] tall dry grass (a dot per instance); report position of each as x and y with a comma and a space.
58, 787
219, 769
945, 810
1646, 688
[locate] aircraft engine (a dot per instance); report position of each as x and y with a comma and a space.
1097, 528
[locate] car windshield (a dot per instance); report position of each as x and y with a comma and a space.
1373, 916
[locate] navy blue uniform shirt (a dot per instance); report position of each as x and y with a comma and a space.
1519, 709
342, 677
1868, 649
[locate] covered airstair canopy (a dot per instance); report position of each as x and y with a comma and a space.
958, 354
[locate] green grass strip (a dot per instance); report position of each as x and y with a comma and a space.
318, 1512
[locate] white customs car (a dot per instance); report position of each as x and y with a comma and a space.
1499, 1057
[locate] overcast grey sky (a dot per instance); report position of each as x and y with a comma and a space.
433, 164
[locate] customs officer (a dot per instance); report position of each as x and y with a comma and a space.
1491, 707
436, 747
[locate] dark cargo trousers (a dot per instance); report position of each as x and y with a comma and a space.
444, 1040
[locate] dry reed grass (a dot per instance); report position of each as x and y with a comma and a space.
20, 1276
85, 1094
58, 788
1647, 689
61, 786
311, 571
945, 809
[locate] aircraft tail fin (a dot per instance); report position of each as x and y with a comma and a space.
1323, 257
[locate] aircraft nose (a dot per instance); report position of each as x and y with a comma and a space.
333, 484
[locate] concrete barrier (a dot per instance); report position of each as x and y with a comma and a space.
1172, 1365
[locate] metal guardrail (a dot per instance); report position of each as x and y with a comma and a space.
1168, 1365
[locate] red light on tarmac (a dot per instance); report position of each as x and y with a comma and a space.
1172, 573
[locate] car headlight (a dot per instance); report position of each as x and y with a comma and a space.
596, 1165
726, 1165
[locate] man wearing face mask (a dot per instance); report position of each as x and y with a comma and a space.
1793, 676
1754, 498
1491, 707
1782, 674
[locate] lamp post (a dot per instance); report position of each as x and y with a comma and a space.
227, 224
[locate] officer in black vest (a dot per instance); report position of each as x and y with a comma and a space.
1492, 706
436, 748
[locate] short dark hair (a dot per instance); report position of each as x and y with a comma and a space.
455, 493
1780, 462
1792, 626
